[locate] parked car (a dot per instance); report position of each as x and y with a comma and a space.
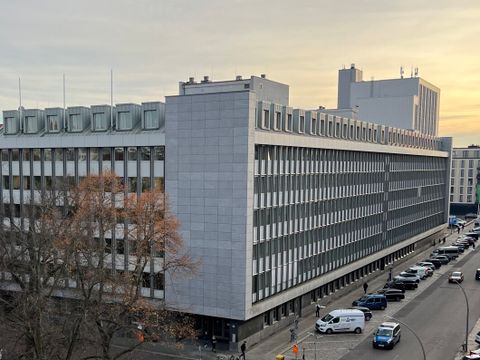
420, 271
473, 234
470, 240
455, 276
426, 264
436, 262
386, 335
341, 320
404, 275
392, 294
477, 274
442, 258
406, 284
461, 247
372, 301
366, 312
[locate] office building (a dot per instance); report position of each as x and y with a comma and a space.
406, 103
283, 206
464, 197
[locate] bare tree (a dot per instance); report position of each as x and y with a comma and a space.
69, 251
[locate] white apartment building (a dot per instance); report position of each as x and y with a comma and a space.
284, 206
464, 196
407, 103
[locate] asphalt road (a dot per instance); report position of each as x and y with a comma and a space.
437, 316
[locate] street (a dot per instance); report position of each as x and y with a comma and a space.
437, 316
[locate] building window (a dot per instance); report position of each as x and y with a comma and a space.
452, 181
93, 154
159, 184
31, 124
132, 153
53, 123
76, 122
314, 126
124, 120
266, 118
82, 154
106, 154
99, 122
145, 153
289, 122
11, 125
159, 153
151, 119
119, 154
278, 120
302, 123
469, 198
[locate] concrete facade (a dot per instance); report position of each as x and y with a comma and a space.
465, 178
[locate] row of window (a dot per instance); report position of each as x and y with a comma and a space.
81, 154
466, 154
60, 182
278, 118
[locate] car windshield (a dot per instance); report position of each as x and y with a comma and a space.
363, 298
457, 274
327, 318
384, 332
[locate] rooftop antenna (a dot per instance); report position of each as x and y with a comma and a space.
64, 103
401, 72
111, 98
20, 100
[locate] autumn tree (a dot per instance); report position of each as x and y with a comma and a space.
104, 287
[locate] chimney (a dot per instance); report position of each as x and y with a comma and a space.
238, 77
263, 76
205, 79
191, 80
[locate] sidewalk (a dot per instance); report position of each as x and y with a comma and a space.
280, 342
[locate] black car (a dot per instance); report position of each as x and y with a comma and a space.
435, 262
442, 258
392, 294
473, 235
366, 311
402, 285
477, 274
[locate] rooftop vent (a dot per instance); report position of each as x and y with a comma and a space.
321, 107
205, 79
263, 76
238, 77
191, 80
352, 66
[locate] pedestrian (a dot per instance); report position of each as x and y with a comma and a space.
458, 229
365, 287
205, 340
214, 343
317, 310
473, 246
295, 322
444, 239
243, 348
293, 335
390, 274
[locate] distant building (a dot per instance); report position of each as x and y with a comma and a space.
406, 103
464, 180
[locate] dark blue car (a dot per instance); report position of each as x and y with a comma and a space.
372, 301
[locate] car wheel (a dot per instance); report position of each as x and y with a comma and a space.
368, 318
374, 346
382, 307
358, 330
329, 331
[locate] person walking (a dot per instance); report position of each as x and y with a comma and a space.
365, 287
317, 310
214, 343
243, 348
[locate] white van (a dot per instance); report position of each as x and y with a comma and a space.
342, 320
421, 271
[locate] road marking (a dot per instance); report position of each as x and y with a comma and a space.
158, 353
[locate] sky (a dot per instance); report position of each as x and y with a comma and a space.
151, 45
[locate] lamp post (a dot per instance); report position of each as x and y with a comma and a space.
414, 334
468, 313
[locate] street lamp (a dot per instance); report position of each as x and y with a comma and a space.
468, 312
414, 333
